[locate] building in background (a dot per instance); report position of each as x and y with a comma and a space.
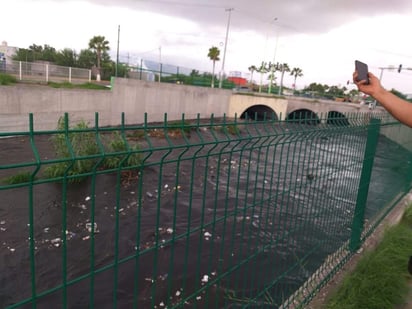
237, 78
6, 53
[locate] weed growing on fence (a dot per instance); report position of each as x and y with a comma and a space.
380, 279
6, 79
178, 128
82, 153
232, 129
76, 147
118, 145
21, 177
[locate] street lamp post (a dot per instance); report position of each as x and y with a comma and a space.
224, 52
274, 57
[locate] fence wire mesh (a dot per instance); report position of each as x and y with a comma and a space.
45, 72
208, 213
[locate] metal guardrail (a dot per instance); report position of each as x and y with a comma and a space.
213, 213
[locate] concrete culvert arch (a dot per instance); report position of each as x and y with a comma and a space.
303, 116
337, 118
259, 112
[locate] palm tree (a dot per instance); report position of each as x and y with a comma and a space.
252, 69
283, 68
100, 45
262, 70
213, 54
273, 67
296, 72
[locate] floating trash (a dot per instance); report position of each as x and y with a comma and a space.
56, 242
207, 235
89, 227
205, 279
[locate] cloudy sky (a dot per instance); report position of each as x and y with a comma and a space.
322, 37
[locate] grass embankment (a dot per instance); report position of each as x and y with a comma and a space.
6, 79
380, 279
78, 86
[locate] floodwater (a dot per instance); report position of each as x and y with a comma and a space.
217, 224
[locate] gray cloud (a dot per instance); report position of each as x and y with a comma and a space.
295, 16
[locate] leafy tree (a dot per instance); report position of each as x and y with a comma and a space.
318, 88
194, 73
296, 72
36, 51
48, 53
86, 59
335, 91
100, 45
213, 54
23, 54
66, 57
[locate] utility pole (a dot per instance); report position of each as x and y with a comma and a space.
224, 52
272, 71
160, 62
117, 56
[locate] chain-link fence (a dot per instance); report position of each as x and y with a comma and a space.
44, 72
213, 213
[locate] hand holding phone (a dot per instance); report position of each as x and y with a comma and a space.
362, 69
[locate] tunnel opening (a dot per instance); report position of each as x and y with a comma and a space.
303, 116
259, 113
337, 119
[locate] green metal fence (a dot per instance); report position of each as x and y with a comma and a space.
200, 213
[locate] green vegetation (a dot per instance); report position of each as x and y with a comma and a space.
232, 129
6, 79
73, 145
95, 55
83, 154
213, 55
123, 159
78, 86
21, 177
380, 279
196, 79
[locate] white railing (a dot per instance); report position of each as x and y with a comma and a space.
41, 71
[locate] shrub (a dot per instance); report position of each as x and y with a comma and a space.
73, 146
117, 144
82, 153
21, 177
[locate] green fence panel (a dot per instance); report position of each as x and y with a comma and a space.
208, 213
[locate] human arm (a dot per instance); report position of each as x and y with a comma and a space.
397, 107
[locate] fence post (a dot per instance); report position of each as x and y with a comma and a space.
47, 73
20, 77
358, 217
70, 74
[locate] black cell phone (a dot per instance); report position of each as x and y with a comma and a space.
362, 69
